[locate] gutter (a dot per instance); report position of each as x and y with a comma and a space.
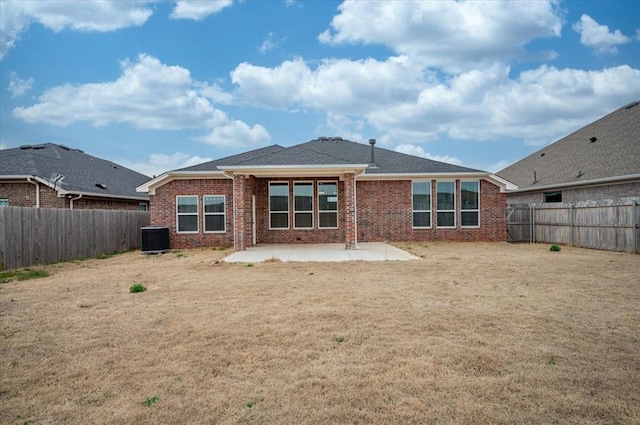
74, 199
594, 182
37, 185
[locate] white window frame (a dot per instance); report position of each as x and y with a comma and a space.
336, 212
4, 202
288, 212
307, 183
438, 225
223, 214
178, 214
413, 210
462, 209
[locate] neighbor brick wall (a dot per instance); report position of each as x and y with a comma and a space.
385, 214
622, 192
24, 195
163, 211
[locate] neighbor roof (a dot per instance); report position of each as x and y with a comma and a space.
71, 171
334, 151
608, 148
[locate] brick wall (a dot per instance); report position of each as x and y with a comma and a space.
24, 195
611, 192
163, 211
385, 214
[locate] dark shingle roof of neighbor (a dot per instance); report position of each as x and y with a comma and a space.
334, 151
82, 173
608, 147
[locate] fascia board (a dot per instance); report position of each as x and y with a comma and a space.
165, 178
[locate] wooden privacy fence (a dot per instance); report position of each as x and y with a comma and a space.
31, 236
608, 226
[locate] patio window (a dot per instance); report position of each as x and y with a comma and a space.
214, 214
446, 201
303, 205
328, 205
187, 214
278, 205
470, 204
421, 204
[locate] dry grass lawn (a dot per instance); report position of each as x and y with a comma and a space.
472, 333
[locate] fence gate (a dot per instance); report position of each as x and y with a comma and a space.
519, 223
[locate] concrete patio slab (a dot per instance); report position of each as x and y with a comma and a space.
329, 252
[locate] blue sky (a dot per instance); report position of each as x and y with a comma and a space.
157, 86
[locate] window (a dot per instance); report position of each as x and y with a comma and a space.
187, 211
142, 206
303, 205
327, 205
470, 204
421, 204
553, 196
214, 215
446, 201
278, 205
4, 202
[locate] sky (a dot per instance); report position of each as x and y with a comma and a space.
160, 85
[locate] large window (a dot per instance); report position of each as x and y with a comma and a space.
327, 205
446, 201
214, 216
303, 205
470, 204
278, 205
421, 204
187, 214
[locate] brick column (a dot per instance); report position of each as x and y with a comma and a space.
239, 213
350, 211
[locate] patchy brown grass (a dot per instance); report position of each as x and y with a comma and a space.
472, 333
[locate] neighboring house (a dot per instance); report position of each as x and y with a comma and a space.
56, 176
324, 191
600, 162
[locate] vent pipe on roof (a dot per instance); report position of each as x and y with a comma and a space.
372, 163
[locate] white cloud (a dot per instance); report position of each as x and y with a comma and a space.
159, 163
497, 166
419, 151
87, 16
148, 95
19, 86
270, 42
198, 9
453, 35
236, 134
592, 34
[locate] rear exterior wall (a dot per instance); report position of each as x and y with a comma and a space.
622, 192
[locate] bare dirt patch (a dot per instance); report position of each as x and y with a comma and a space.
472, 333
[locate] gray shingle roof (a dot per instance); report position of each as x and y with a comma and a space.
334, 151
81, 172
615, 151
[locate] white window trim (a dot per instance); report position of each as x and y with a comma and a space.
185, 214
430, 205
337, 210
473, 210
223, 214
280, 212
305, 211
446, 211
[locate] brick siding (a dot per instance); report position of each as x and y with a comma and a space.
24, 195
384, 211
622, 192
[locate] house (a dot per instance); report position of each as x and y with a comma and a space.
324, 191
599, 162
56, 176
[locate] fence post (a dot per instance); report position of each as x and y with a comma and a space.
634, 212
571, 212
533, 224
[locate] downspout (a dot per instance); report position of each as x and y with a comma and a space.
37, 185
73, 199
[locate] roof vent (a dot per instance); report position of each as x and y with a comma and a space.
38, 146
631, 105
25, 147
580, 174
323, 139
66, 148
593, 139
542, 154
101, 185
